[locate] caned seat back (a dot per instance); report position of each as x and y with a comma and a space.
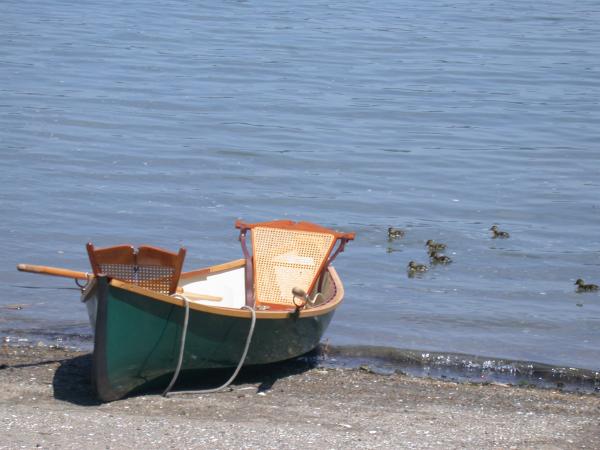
286, 255
149, 267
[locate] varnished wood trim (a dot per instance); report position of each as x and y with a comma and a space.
233, 312
194, 296
118, 254
145, 255
295, 226
214, 269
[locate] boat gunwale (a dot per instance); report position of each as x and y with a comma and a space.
235, 264
234, 312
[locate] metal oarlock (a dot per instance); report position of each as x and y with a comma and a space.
82, 287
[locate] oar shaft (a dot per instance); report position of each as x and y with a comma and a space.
54, 271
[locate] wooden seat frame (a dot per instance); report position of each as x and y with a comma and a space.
150, 267
283, 234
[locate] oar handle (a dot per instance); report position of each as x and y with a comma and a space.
55, 271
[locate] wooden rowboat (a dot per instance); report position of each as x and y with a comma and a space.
138, 333
144, 338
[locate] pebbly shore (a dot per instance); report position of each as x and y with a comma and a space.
46, 401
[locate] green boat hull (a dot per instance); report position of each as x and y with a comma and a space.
137, 340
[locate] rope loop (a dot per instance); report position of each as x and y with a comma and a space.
182, 347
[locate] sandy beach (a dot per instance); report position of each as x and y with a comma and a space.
46, 401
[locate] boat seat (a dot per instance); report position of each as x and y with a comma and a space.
149, 267
286, 255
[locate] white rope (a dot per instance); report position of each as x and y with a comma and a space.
182, 347
186, 319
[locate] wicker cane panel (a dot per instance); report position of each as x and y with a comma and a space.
284, 259
154, 278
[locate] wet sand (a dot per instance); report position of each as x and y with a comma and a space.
46, 401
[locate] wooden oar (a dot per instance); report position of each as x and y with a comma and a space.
54, 271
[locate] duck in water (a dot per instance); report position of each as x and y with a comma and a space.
496, 233
435, 246
439, 259
582, 287
395, 233
413, 267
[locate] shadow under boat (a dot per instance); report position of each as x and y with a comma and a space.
73, 383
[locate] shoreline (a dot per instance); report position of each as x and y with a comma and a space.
464, 367
46, 400
460, 367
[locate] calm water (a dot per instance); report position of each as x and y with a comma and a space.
163, 122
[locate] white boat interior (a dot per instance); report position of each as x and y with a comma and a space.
224, 286
225, 289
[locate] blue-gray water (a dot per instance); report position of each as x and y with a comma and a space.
163, 122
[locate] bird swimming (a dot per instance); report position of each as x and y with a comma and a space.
395, 233
435, 246
414, 267
439, 259
497, 233
582, 287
